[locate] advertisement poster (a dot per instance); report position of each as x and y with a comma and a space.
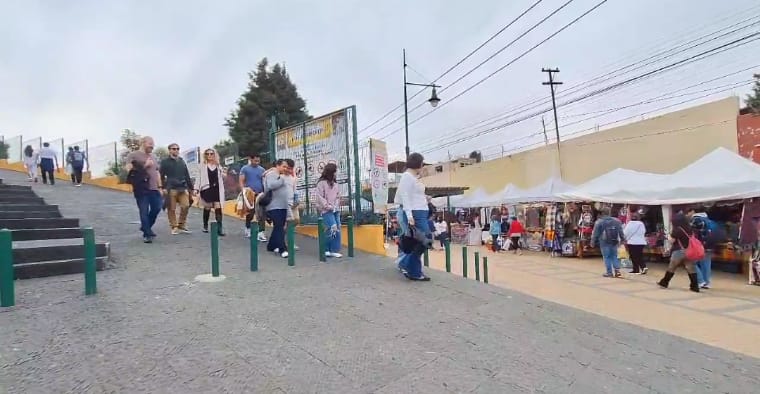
379, 174
326, 139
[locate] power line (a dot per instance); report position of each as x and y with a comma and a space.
457, 64
514, 111
506, 65
700, 56
448, 144
502, 49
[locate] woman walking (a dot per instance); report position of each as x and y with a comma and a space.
634, 233
31, 163
211, 188
680, 238
411, 196
495, 230
328, 203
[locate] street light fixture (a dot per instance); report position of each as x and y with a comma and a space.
433, 100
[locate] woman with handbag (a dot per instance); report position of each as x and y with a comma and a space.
681, 235
211, 187
410, 194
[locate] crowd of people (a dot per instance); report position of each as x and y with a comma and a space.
46, 161
267, 195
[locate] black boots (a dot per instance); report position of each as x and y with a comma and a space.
218, 215
693, 285
665, 281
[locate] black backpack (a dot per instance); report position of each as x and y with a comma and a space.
611, 234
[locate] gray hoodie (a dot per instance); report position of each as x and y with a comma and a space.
281, 193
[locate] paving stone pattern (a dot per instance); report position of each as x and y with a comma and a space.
351, 326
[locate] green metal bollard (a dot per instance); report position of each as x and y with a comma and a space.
254, 241
7, 291
321, 239
291, 244
214, 232
90, 277
485, 269
464, 261
426, 258
350, 236
477, 266
447, 245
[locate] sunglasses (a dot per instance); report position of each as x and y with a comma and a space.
209, 153
174, 148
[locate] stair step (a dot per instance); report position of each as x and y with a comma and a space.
28, 214
37, 254
4, 186
21, 200
46, 233
54, 267
29, 207
22, 224
4, 191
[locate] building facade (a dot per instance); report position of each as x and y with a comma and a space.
662, 144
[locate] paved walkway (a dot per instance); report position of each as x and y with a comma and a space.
726, 316
350, 326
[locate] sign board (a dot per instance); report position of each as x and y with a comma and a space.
326, 139
379, 174
192, 158
229, 160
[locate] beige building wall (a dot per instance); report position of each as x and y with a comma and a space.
662, 144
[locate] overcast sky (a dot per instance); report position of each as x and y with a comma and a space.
174, 69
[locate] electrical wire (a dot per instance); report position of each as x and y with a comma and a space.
460, 94
700, 56
457, 64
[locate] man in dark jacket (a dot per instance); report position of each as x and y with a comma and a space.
177, 184
608, 234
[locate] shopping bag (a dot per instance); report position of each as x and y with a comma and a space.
623, 252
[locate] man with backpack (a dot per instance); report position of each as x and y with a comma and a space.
710, 234
78, 159
608, 234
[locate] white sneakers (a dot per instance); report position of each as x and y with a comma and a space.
247, 232
262, 237
331, 254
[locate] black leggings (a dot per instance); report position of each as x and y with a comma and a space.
207, 214
636, 252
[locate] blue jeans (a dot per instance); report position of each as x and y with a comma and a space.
277, 238
149, 204
704, 268
332, 228
411, 262
610, 256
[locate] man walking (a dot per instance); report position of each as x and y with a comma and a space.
175, 178
77, 165
48, 163
608, 234
144, 176
252, 177
69, 168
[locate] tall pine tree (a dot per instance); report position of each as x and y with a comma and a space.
270, 92
753, 100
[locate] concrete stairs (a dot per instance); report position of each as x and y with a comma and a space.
44, 242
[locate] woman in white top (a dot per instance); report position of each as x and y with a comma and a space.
635, 239
31, 162
413, 214
442, 231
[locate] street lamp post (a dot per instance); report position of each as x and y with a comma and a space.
433, 100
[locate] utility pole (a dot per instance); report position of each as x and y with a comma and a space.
546, 137
551, 84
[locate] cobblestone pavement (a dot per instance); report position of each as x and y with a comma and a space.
352, 326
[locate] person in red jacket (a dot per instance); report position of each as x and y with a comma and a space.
516, 231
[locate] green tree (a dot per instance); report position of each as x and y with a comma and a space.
227, 148
3, 150
161, 153
270, 92
130, 141
753, 100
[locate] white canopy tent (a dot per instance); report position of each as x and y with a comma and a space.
719, 175
474, 199
544, 192
500, 197
619, 186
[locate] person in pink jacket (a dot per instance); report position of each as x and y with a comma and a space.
328, 203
